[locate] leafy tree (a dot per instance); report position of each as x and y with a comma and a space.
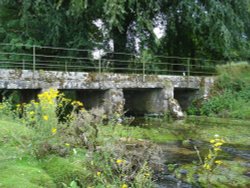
49, 22
127, 19
215, 29
206, 29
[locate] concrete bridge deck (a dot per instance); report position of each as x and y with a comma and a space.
138, 94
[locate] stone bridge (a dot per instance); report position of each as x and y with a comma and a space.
134, 94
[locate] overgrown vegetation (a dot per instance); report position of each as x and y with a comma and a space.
46, 152
79, 150
230, 97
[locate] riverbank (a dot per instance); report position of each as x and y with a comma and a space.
230, 96
174, 139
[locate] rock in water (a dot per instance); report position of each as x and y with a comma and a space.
175, 109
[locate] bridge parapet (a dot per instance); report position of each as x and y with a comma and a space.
19, 79
154, 90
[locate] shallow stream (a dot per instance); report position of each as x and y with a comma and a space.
178, 156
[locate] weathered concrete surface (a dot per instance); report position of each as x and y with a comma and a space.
185, 96
20, 79
155, 99
148, 100
114, 102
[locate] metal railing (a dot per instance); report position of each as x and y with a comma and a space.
32, 57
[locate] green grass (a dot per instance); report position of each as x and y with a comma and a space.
232, 134
230, 96
64, 171
14, 140
233, 130
14, 134
158, 134
201, 128
24, 173
20, 168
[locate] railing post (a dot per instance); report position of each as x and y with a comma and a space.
34, 58
23, 64
188, 70
66, 67
188, 67
100, 65
143, 71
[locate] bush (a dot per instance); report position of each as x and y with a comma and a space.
230, 96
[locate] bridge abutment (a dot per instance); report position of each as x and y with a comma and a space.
140, 101
113, 102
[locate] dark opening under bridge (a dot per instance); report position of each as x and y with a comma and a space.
130, 83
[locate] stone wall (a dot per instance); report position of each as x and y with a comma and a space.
151, 93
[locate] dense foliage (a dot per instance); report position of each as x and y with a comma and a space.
210, 29
230, 96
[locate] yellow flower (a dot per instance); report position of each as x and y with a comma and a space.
77, 103
218, 162
146, 174
67, 144
48, 96
218, 144
45, 117
53, 130
209, 156
119, 161
212, 141
98, 173
217, 149
207, 166
124, 186
31, 113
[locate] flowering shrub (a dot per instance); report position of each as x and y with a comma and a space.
210, 162
205, 171
120, 173
43, 115
78, 131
